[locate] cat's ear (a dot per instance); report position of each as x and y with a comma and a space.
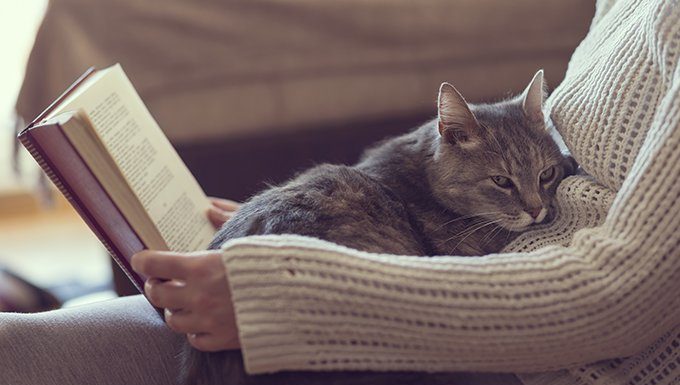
534, 97
456, 122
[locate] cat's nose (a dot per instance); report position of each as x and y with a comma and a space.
534, 211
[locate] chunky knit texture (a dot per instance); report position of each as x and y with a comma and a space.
602, 281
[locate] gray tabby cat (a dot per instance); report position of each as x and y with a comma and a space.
465, 183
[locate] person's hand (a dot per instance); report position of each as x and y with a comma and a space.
221, 211
193, 290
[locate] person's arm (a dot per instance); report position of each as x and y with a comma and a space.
308, 305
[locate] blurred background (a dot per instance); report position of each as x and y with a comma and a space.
248, 92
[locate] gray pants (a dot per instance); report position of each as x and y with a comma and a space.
123, 341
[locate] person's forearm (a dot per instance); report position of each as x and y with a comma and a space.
334, 310
304, 304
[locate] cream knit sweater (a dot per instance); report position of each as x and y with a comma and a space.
602, 281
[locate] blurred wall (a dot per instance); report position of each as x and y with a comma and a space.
213, 70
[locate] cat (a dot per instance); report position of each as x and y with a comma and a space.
465, 183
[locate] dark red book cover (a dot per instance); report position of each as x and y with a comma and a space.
48, 144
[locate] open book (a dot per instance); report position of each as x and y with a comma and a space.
102, 148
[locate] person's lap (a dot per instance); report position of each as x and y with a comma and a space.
125, 341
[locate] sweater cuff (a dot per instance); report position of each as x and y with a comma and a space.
261, 283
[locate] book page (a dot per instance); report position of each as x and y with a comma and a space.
156, 174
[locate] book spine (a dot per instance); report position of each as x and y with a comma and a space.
37, 154
62, 97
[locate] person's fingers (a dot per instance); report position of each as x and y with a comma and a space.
221, 211
208, 342
161, 264
217, 217
224, 204
186, 322
166, 294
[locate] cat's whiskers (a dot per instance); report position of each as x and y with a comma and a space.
491, 235
488, 234
474, 231
507, 238
485, 223
472, 228
482, 222
469, 231
467, 217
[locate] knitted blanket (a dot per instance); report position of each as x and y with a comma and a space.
602, 281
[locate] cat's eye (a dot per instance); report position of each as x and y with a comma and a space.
547, 174
502, 181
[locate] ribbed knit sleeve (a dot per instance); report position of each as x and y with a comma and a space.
610, 290
306, 304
